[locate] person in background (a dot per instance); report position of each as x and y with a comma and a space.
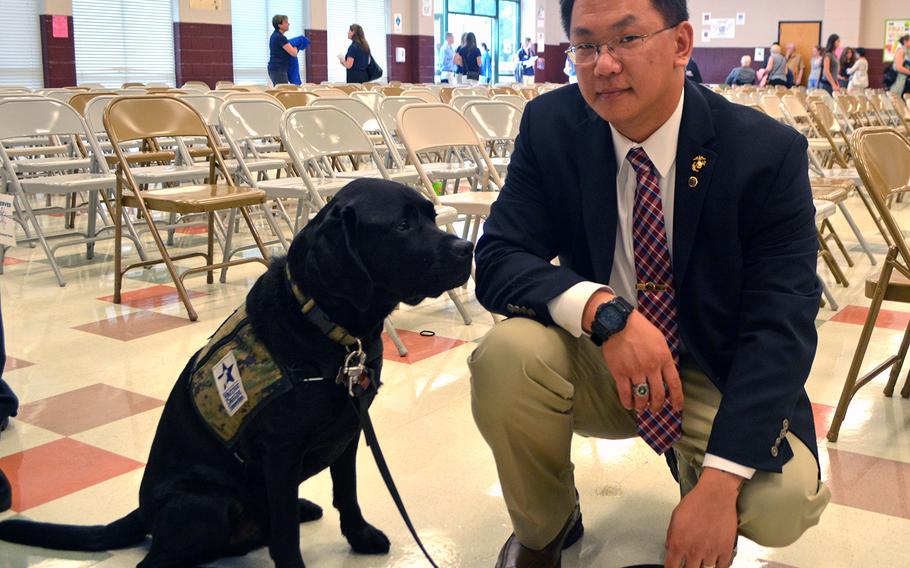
795, 64
692, 71
569, 70
815, 67
486, 65
742, 75
830, 65
357, 59
447, 60
847, 59
776, 71
280, 50
469, 58
901, 54
526, 58
9, 406
859, 72
459, 69
301, 43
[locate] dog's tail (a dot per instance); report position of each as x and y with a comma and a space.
122, 533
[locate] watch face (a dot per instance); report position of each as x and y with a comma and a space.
612, 319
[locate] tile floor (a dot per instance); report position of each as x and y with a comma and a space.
92, 377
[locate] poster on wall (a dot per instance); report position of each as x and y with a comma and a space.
210, 5
706, 36
723, 28
740, 18
894, 29
427, 7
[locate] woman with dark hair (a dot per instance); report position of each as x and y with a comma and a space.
901, 54
357, 59
847, 59
280, 50
859, 72
526, 59
830, 65
469, 57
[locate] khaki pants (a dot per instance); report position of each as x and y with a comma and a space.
533, 386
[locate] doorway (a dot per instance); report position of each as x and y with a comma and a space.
803, 35
496, 23
481, 26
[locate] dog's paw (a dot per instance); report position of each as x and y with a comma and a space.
308, 511
367, 539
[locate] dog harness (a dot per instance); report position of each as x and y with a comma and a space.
234, 377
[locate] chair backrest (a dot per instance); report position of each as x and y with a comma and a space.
234, 95
423, 94
428, 126
151, 116
371, 98
771, 105
224, 84
795, 107
196, 86
27, 117
503, 91
493, 120
128, 85
317, 131
470, 92
292, 99
245, 119
63, 95
391, 91
80, 100
882, 158
329, 92
388, 111
94, 113
286, 87
446, 94
516, 100
358, 110
459, 101
208, 106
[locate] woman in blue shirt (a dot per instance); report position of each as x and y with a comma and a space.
525, 61
486, 65
280, 50
468, 56
357, 59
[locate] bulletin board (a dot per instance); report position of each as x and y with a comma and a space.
894, 29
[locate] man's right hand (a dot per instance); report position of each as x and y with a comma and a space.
638, 354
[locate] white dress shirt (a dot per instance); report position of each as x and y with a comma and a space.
567, 308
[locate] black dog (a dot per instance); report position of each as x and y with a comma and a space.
375, 245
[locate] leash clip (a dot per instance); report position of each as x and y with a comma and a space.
351, 371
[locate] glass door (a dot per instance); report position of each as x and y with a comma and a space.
508, 40
496, 23
481, 26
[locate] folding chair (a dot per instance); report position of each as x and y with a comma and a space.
824, 210
329, 92
370, 98
515, 100
431, 128
423, 94
883, 160
155, 116
292, 99
459, 101
52, 118
391, 91
497, 124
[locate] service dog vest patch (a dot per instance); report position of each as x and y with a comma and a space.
233, 378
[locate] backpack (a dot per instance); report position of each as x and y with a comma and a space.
889, 76
374, 71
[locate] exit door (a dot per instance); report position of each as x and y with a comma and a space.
803, 35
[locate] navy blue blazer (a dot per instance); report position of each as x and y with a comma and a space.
744, 252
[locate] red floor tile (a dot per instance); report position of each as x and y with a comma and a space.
10, 261
887, 319
192, 230
12, 364
57, 469
151, 297
419, 347
823, 415
86, 408
134, 325
869, 483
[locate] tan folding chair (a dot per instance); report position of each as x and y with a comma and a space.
883, 161
293, 99
329, 92
391, 91
155, 116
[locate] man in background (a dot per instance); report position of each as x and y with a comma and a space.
795, 64
447, 60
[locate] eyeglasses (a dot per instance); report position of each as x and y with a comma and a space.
587, 53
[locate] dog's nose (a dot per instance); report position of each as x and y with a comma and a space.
463, 248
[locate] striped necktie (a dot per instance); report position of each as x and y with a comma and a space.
658, 304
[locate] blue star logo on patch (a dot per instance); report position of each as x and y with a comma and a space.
229, 382
229, 371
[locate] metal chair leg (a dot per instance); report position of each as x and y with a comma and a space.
857, 232
393, 335
465, 316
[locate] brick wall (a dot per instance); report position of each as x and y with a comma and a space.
315, 56
203, 52
58, 53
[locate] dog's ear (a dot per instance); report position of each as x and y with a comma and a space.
334, 262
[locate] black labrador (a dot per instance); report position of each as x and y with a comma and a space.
376, 244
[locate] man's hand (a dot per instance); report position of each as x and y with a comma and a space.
702, 529
638, 354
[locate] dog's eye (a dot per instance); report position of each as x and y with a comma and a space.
404, 226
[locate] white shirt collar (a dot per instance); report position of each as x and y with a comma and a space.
660, 146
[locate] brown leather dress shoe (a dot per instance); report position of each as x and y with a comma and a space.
516, 555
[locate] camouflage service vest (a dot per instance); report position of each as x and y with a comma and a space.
233, 379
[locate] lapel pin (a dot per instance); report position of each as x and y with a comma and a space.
698, 163
693, 181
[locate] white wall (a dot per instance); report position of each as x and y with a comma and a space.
874, 14
761, 18
183, 13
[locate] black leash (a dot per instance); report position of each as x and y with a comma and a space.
373, 443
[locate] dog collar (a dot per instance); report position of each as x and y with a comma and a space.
319, 318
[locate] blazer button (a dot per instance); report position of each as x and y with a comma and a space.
774, 451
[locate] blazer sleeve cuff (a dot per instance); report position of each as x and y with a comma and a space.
722, 464
567, 308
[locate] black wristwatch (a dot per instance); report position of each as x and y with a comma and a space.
610, 319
